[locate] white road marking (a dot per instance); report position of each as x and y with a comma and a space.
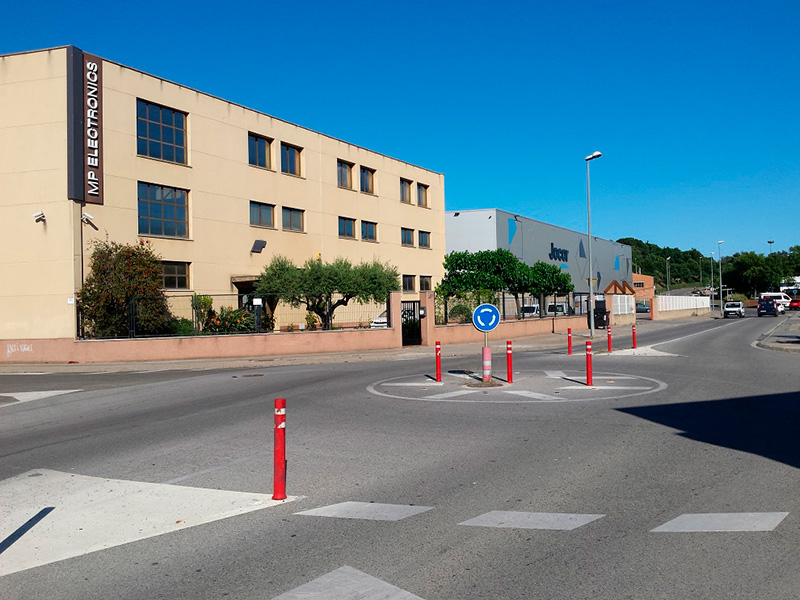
372, 511
347, 583
723, 522
94, 513
29, 396
528, 520
605, 387
450, 394
534, 395
416, 384
555, 374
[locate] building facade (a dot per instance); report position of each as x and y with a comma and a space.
532, 241
94, 150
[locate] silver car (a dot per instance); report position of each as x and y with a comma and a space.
733, 309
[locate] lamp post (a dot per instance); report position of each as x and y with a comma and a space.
712, 276
719, 249
667, 261
589, 158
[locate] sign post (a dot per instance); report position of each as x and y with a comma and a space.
486, 318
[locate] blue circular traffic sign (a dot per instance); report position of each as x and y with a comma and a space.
486, 317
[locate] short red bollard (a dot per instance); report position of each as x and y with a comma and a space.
279, 478
487, 364
569, 341
589, 363
608, 330
438, 362
634, 335
510, 363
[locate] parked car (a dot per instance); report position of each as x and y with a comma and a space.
642, 308
794, 304
733, 309
530, 311
558, 310
767, 307
379, 322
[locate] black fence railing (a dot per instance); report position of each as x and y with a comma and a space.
220, 314
523, 306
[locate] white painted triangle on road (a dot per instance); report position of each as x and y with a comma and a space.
28, 396
534, 395
346, 583
94, 513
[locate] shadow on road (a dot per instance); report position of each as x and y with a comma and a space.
764, 425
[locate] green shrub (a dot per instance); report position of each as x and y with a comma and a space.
460, 313
230, 320
181, 327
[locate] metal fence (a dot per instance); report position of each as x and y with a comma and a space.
220, 314
623, 304
524, 306
683, 302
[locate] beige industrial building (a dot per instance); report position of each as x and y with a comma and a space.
91, 149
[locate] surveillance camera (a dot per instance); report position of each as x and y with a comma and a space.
39, 216
86, 217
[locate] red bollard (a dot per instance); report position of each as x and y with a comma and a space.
438, 362
279, 478
634, 335
487, 364
569, 341
510, 362
589, 363
608, 330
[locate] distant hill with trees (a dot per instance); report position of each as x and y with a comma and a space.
746, 272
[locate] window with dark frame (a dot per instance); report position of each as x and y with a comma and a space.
369, 231
347, 228
344, 174
258, 148
262, 215
292, 219
408, 283
406, 236
422, 195
367, 180
405, 191
174, 275
424, 239
290, 159
425, 283
163, 211
160, 132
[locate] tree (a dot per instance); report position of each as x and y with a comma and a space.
317, 283
119, 274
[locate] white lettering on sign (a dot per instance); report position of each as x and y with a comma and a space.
93, 182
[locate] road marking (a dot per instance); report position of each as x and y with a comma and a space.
528, 520
534, 395
372, 511
555, 374
29, 396
417, 384
723, 522
95, 513
605, 387
450, 394
347, 583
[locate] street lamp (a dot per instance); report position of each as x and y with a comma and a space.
719, 249
591, 157
668, 259
712, 277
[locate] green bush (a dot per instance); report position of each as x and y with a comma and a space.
181, 327
460, 313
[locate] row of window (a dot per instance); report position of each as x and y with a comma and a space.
161, 134
175, 276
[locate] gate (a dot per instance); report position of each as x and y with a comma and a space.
410, 322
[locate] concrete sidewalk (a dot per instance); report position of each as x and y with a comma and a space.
556, 342
785, 336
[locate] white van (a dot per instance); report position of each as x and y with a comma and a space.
778, 297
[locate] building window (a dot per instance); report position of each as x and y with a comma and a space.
290, 159
405, 191
408, 283
639, 284
422, 195
160, 132
175, 275
347, 228
424, 239
367, 180
369, 231
425, 283
163, 211
406, 236
262, 215
292, 219
344, 174
259, 150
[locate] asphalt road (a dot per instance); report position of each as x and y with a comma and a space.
701, 428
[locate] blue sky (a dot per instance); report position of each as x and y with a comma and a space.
694, 105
